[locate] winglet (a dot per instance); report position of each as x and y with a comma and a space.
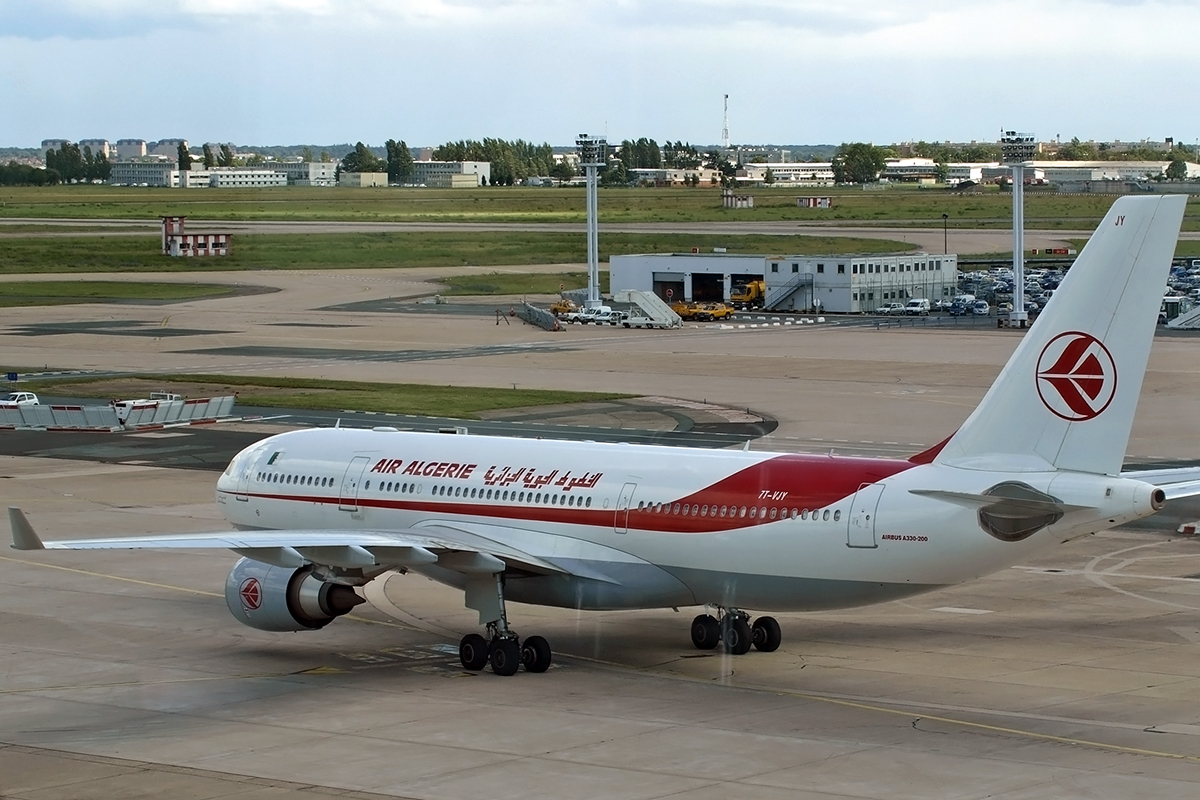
24, 537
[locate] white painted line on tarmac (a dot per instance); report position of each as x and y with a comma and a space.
954, 610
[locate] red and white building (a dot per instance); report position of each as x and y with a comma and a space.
176, 242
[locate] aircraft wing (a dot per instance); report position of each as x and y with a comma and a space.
447, 547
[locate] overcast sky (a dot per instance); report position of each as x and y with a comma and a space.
427, 71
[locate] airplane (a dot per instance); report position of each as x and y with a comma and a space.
317, 514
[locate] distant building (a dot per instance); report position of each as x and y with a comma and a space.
452, 174
817, 173
147, 170
99, 147
177, 242
167, 147
131, 148
363, 180
245, 177
53, 144
832, 283
307, 173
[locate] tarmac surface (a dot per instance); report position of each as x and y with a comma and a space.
1071, 676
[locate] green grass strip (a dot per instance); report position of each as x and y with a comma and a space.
53, 293
312, 393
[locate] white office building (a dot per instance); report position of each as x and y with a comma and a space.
245, 177
831, 283
307, 173
145, 171
452, 174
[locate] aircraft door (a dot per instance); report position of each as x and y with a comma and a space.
348, 493
861, 522
621, 523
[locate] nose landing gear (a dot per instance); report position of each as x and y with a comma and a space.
734, 631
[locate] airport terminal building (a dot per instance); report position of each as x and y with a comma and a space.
847, 283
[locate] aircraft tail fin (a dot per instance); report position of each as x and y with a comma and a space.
1067, 396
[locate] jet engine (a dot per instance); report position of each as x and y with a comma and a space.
283, 599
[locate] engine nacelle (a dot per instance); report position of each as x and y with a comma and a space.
283, 599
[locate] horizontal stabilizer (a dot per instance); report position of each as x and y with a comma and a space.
1032, 505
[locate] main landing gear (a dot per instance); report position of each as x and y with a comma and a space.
502, 648
734, 631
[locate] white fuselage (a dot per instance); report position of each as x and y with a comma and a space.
634, 526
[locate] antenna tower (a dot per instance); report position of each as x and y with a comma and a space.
725, 125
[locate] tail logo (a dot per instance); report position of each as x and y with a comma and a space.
1076, 376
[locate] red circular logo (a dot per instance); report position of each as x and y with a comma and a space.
251, 592
1076, 376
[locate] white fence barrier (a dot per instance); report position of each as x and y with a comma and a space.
139, 414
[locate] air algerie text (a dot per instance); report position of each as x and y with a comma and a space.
527, 477
429, 469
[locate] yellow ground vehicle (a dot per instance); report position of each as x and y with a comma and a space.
709, 311
563, 306
749, 295
685, 310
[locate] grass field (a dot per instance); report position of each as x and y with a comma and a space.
55, 293
396, 398
374, 250
906, 205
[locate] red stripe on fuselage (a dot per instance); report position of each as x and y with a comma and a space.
782, 482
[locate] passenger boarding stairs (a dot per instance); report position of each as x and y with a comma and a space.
651, 307
778, 295
1187, 321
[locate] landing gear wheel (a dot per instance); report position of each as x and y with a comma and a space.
535, 654
766, 634
506, 656
473, 652
706, 632
735, 635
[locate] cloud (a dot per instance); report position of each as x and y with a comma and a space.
797, 70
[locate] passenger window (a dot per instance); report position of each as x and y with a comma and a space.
825, 515
742, 512
676, 511
773, 513
723, 510
695, 510
753, 513
589, 502
837, 515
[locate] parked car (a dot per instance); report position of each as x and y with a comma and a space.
890, 308
958, 309
14, 399
981, 308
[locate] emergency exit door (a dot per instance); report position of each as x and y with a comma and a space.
861, 522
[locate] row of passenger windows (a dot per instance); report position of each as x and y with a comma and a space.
503, 495
569, 500
737, 512
473, 493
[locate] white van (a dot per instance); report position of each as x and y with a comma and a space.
917, 306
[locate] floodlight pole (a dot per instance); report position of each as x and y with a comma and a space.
1017, 150
592, 156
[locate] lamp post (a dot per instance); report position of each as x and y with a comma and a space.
593, 152
1017, 150
945, 234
